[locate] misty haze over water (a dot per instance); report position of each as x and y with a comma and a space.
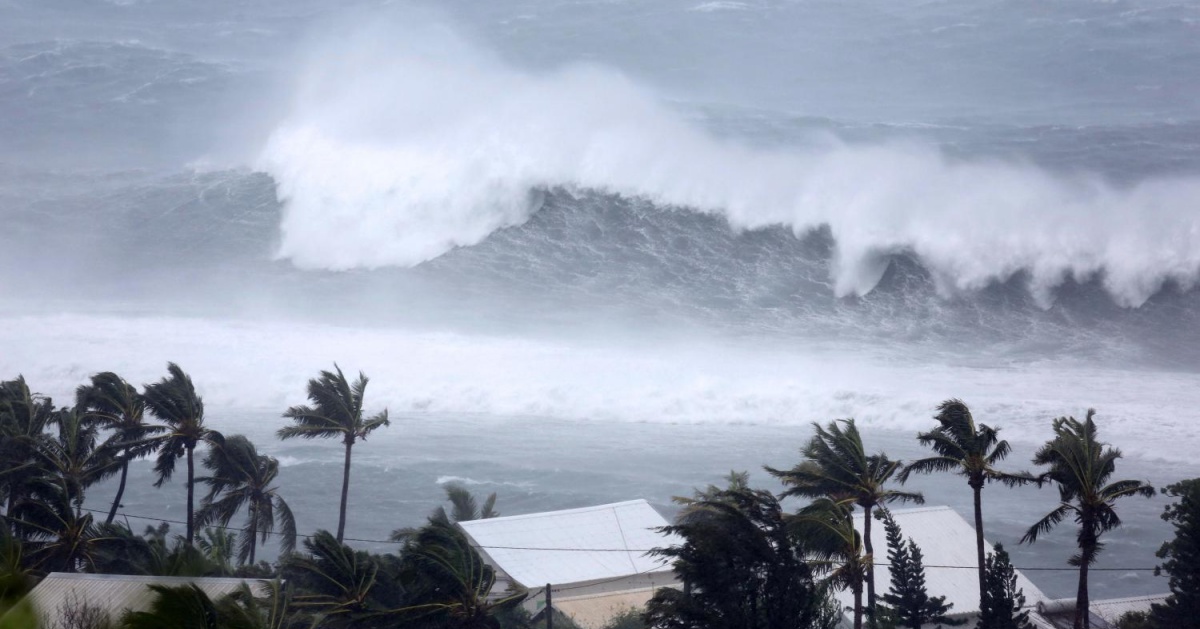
645, 222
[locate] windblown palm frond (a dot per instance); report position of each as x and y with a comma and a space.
113, 404
242, 478
337, 412
175, 402
1080, 465
972, 451
836, 466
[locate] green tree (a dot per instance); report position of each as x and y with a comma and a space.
337, 411
242, 478
24, 418
59, 538
1080, 465
74, 457
115, 405
835, 547
448, 584
1003, 604
338, 587
463, 508
174, 401
970, 450
837, 466
180, 607
908, 598
741, 567
1182, 555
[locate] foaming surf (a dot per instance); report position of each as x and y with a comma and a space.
397, 150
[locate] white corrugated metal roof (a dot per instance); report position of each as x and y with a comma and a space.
114, 593
946, 539
602, 542
1113, 608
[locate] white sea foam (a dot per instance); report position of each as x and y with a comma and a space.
401, 145
246, 364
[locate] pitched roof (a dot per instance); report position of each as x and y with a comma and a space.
946, 539
573, 546
113, 593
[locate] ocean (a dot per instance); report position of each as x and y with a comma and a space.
597, 250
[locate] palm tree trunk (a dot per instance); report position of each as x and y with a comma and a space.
870, 566
345, 492
112, 513
253, 532
858, 608
191, 528
979, 556
1082, 617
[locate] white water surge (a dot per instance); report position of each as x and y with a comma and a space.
400, 146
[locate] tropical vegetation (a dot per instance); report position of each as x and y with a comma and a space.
749, 557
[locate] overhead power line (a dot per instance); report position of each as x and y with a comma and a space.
604, 550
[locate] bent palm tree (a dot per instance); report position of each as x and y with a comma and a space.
113, 404
73, 456
970, 450
241, 477
837, 467
1081, 465
835, 547
463, 508
337, 411
174, 401
24, 417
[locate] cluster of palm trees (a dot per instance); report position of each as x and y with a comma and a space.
838, 475
50, 456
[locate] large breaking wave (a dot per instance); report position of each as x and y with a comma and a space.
397, 149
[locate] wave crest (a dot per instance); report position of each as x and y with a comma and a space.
400, 147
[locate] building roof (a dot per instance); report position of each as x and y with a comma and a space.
113, 593
946, 539
573, 546
1104, 613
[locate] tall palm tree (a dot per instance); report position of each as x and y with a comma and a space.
971, 450
24, 417
174, 401
835, 547
337, 411
74, 456
1081, 465
59, 537
837, 466
113, 404
241, 477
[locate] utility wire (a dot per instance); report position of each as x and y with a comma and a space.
596, 550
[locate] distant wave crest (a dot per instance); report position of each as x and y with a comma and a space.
398, 149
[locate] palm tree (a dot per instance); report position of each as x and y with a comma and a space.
60, 538
174, 401
835, 547
24, 417
837, 466
73, 456
1081, 465
343, 588
337, 411
463, 508
970, 450
113, 404
241, 477
179, 607
449, 583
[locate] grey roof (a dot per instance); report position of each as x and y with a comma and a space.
946, 539
573, 546
1104, 613
114, 593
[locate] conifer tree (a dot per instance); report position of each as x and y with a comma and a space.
1182, 607
1002, 601
908, 601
